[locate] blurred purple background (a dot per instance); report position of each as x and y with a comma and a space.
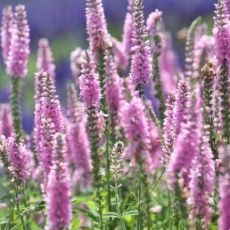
63, 23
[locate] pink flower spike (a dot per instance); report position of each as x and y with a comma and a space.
89, 83
6, 124
19, 46
6, 32
59, 210
45, 61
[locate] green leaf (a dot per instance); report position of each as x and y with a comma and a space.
111, 215
131, 213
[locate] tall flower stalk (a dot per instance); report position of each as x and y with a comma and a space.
90, 94
17, 62
116, 170
222, 44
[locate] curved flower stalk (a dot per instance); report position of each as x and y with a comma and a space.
76, 58
127, 36
45, 61
222, 44
18, 159
224, 218
203, 52
154, 27
59, 210
78, 139
3, 153
169, 125
202, 185
90, 94
6, 124
189, 48
6, 32
141, 68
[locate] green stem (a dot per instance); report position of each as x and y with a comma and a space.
108, 167
94, 139
118, 207
158, 87
15, 105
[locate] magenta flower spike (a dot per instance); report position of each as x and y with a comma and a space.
6, 123
186, 147
120, 57
6, 32
127, 36
89, 83
169, 125
77, 56
45, 61
19, 46
224, 218
59, 210
18, 158
78, 139
202, 184
222, 43
153, 27
99, 37
181, 105
204, 51
48, 118
135, 127
141, 64
112, 85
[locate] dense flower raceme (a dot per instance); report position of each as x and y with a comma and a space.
19, 44
6, 30
45, 60
76, 58
19, 159
99, 37
141, 64
48, 118
78, 139
224, 219
5, 120
59, 208
112, 85
169, 125
186, 147
135, 127
181, 105
202, 183
89, 83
